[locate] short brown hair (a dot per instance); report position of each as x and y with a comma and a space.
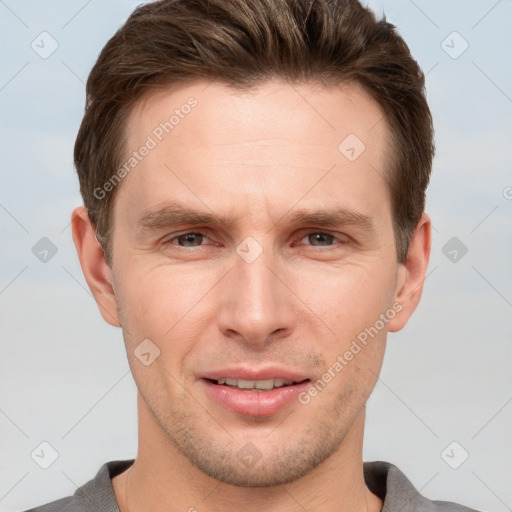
243, 43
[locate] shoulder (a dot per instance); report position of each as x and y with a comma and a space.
398, 493
96, 495
62, 505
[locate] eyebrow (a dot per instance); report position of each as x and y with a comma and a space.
178, 214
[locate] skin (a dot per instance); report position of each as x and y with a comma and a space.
253, 158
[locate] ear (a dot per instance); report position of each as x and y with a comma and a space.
411, 273
94, 266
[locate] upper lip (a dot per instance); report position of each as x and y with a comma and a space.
245, 373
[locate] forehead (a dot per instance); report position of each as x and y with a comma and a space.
269, 144
321, 115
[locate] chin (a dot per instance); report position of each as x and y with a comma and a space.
242, 464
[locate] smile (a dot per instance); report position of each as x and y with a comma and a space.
254, 397
255, 385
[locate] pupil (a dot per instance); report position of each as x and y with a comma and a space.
189, 237
319, 236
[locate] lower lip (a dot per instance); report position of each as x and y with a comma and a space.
254, 403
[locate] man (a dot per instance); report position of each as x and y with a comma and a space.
254, 176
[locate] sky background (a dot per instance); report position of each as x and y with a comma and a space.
64, 376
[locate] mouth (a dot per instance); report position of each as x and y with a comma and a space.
258, 395
256, 385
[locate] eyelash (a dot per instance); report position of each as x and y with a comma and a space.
169, 241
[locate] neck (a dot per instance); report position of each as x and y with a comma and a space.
162, 479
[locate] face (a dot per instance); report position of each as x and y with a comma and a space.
254, 243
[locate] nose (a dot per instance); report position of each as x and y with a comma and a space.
255, 304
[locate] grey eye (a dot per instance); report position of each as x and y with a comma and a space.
322, 238
189, 239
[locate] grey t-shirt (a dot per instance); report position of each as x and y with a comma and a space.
382, 478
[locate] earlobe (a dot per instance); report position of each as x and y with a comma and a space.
411, 274
94, 266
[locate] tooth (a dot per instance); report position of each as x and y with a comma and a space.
265, 384
245, 384
255, 384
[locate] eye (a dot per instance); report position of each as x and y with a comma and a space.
321, 239
189, 239
192, 239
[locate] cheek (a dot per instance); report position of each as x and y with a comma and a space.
164, 305
349, 299
155, 300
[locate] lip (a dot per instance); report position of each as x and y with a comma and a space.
255, 374
251, 402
